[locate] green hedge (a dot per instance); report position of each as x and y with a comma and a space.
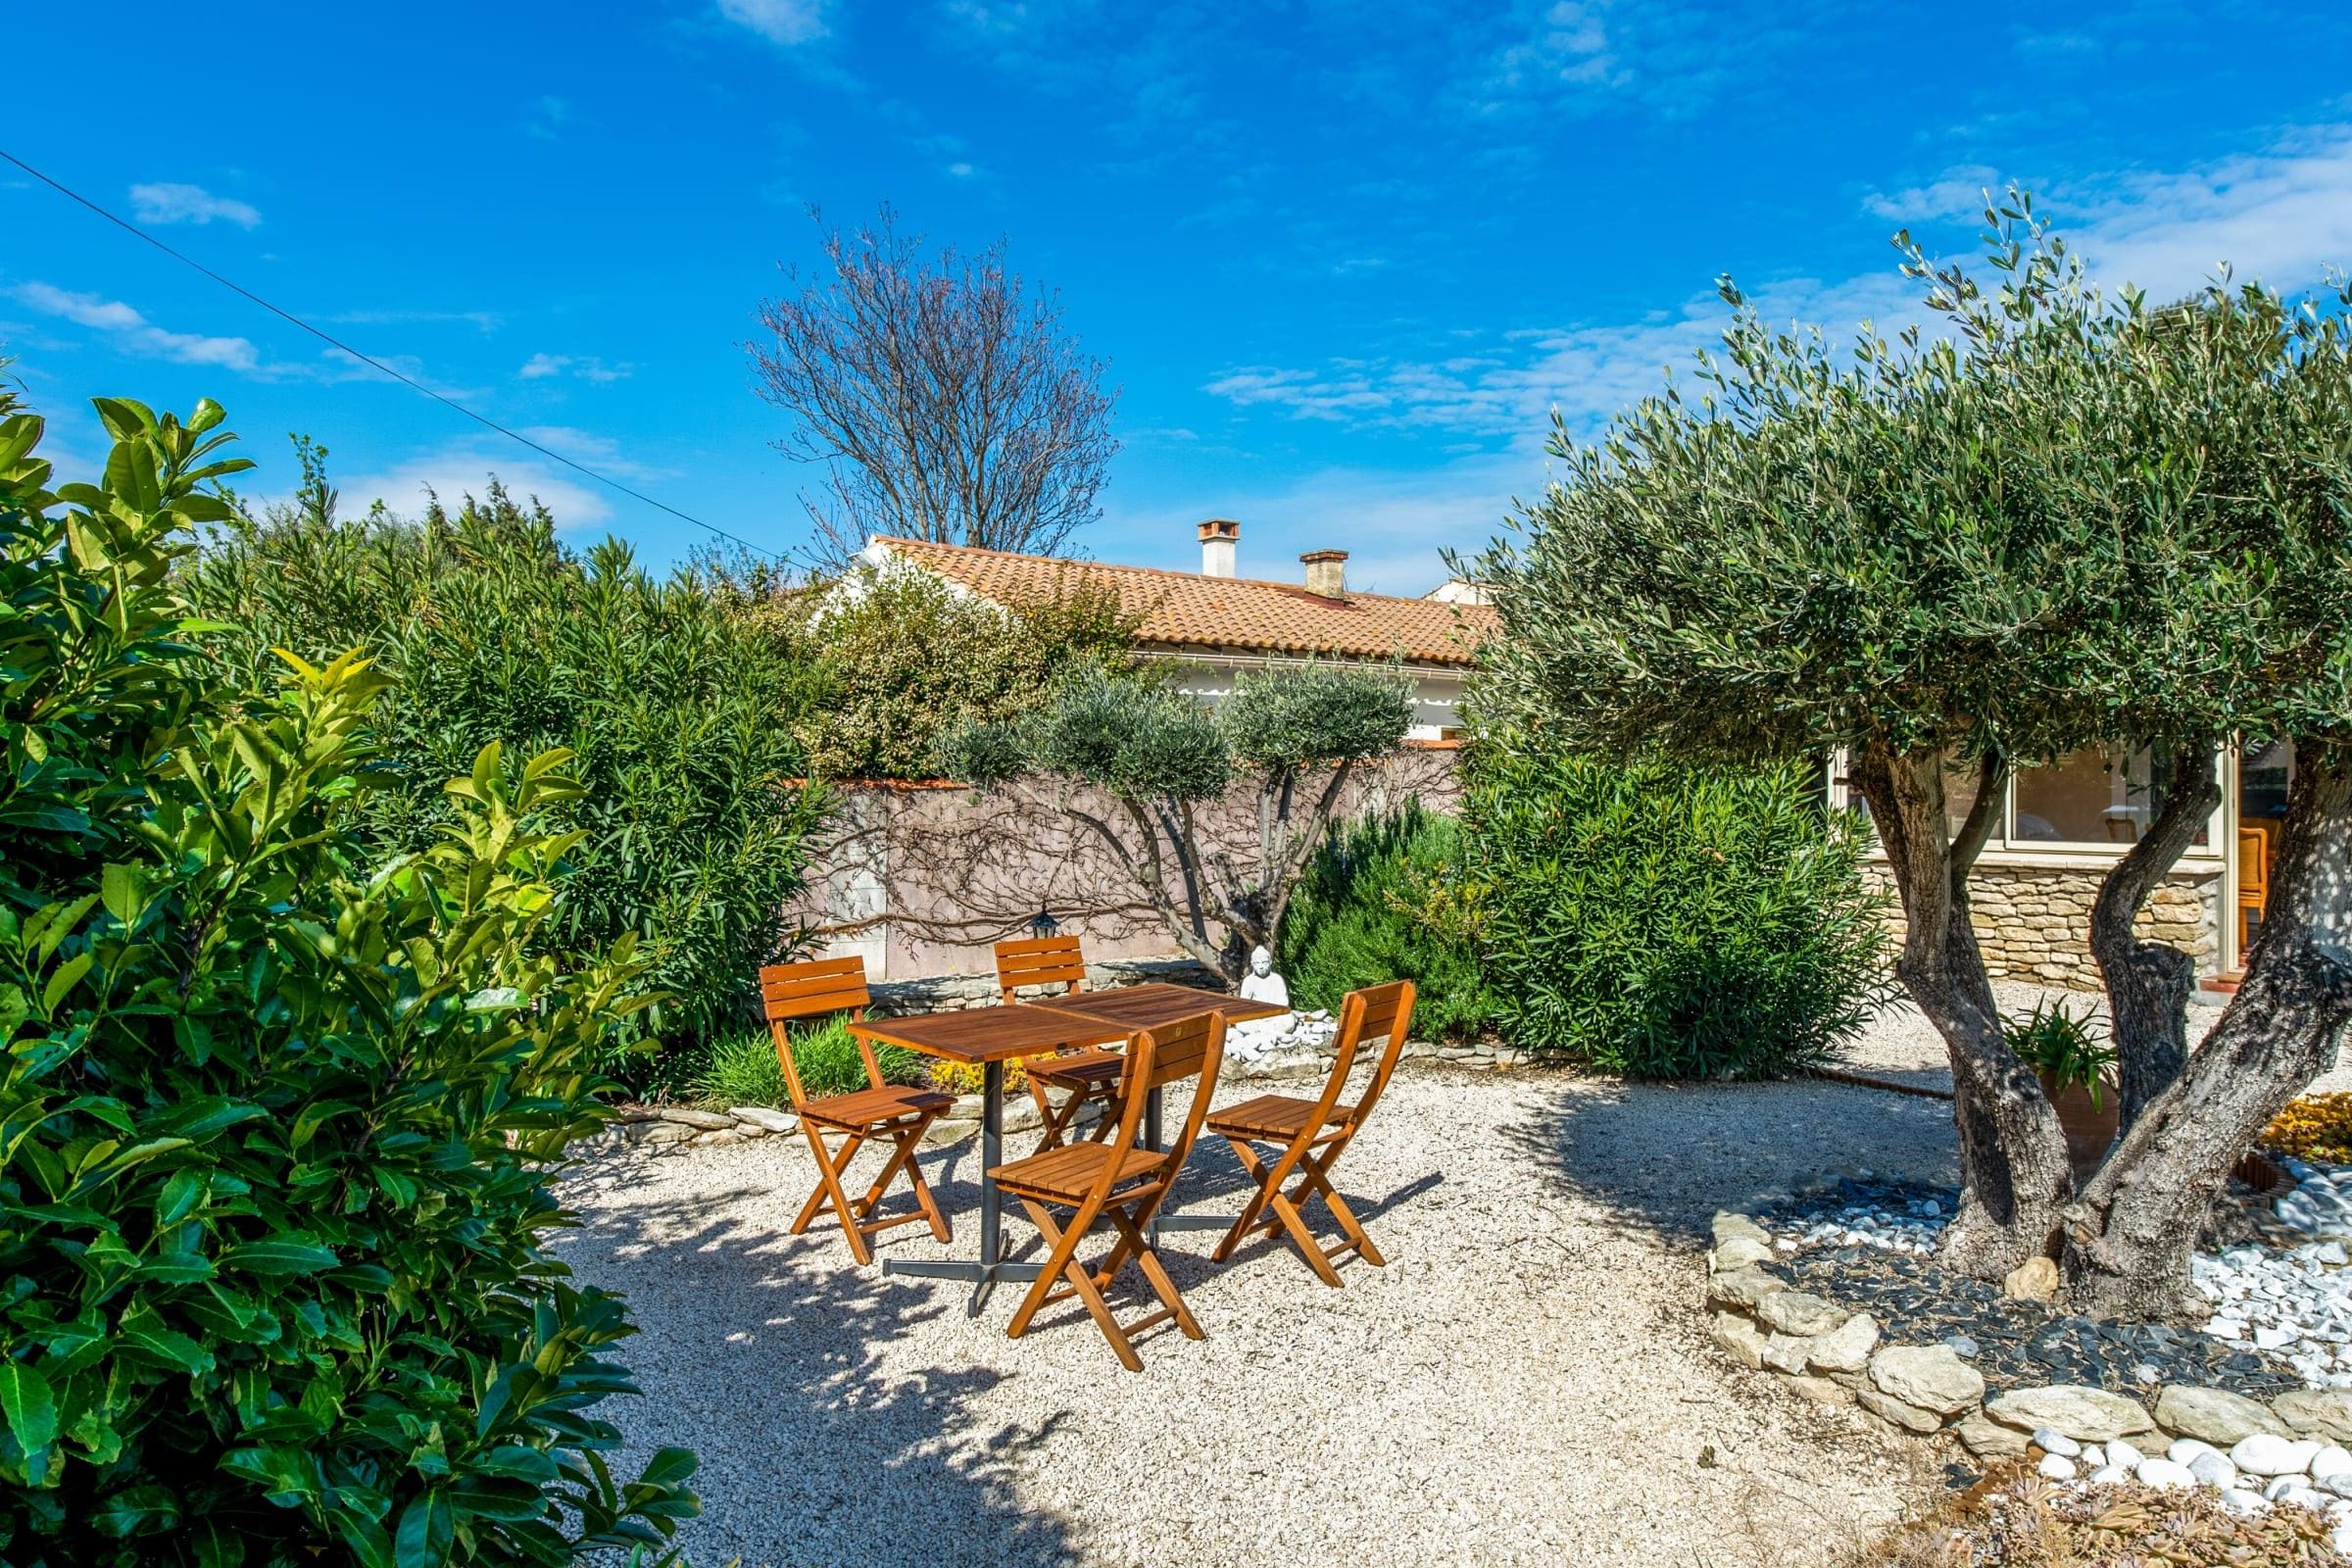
676, 703
1383, 899
1665, 922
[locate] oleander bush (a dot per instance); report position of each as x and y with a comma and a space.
1661, 921
1386, 898
676, 703
280, 1103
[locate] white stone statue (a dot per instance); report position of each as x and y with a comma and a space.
1288, 1034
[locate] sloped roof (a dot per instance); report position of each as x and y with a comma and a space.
1188, 609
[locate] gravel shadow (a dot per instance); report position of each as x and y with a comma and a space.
1664, 1158
763, 1357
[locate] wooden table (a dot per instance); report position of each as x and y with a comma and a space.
990, 1037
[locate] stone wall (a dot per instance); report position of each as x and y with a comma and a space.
2033, 921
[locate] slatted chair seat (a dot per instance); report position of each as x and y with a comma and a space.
1311, 1134
1068, 1173
882, 1112
1083, 1077
875, 1107
1110, 1180
1271, 1117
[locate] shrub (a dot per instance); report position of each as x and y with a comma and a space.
741, 1070
674, 704
1385, 899
2315, 1127
1665, 922
903, 657
2069, 1047
278, 1111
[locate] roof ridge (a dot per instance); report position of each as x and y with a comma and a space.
1154, 572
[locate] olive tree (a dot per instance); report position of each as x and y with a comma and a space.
1154, 757
2072, 519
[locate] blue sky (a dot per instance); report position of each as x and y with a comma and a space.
1344, 258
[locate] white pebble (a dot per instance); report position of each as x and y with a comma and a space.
2049, 1440
2110, 1475
2237, 1501
2263, 1454
2185, 1449
2164, 1472
2121, 1453
2213, 1471
2330, 1461
2057, 1467
2094, 1456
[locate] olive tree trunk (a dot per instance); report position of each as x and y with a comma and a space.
2015, 1180
2149, 983
2128, 1235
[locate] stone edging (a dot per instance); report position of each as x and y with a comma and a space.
1836, 1356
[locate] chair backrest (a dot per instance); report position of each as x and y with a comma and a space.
789, 991
1039, 961
1190, 1048
1376, 1012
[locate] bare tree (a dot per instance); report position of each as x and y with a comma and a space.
940, 394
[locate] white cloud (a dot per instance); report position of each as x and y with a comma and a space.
167, 203
547, 112
1565, 45
1958, 194
133, 333
599, 452
783, 22
456, 471
582, 368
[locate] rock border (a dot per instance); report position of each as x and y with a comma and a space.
1829, 1355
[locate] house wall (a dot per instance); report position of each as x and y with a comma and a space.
2033, 919
1436, 692
924, 880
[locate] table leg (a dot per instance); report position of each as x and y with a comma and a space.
992, 1267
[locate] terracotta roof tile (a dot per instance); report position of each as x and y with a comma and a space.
1185, 609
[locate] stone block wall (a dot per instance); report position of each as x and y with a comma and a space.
2033, 921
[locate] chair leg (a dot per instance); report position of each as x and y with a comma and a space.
1050, 1118
1064, 1264
1269, 1187
922, 1188
1315, 1176
829, 1189
1134, 1241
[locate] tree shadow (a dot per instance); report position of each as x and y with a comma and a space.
1667, 1156
772, 1370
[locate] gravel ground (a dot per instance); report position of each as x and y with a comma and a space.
1526, 1382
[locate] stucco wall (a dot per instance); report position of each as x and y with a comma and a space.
924, 880
2032, 922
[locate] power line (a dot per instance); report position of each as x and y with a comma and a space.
133, 229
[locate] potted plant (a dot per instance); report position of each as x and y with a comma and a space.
2076, 1064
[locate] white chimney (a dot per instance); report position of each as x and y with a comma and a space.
1219, 538
1326, 572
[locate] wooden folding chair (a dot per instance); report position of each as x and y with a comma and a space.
1311, 1134
1114, 1179
882, 1110
1084, 1077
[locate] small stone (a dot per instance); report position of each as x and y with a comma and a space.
1786, 1353
2215, 1415
715, 1136
660, 1132
1987, 1438
1729, 1226
2108, 1475
1740, 1251
2341, 1539
1799, 1312
2213, 1470
2162, 1472
2185, 1449
1742, 1287
1822, 1390
1930, 1379
2301, 1495
1738, 1336
1963, 1347
775, 1121
1908, 1416
2263, 1454
710, 1121
2281, 1485
2049, 1440
2057, 1467
2239, 1500
2033, 1280
1846, 1347
2317, 1412
2123, 1454
2085, 1414
2338, 1483
2330, 1461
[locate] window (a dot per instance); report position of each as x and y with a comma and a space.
2097, 796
